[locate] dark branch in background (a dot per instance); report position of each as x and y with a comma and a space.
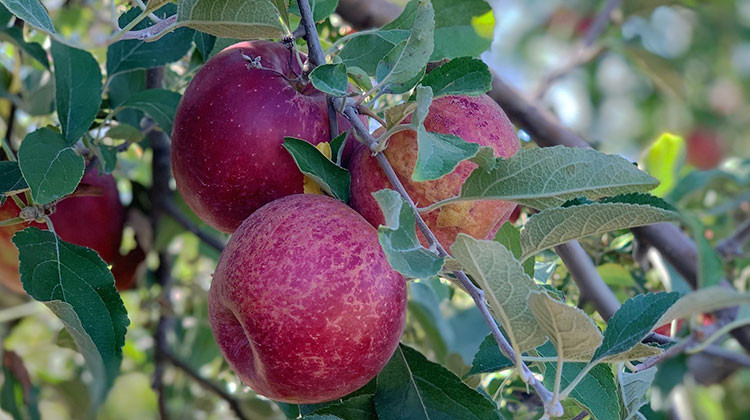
171, 209
732, 246
365, 14
206, 384
589, 281
160, 194
10, 123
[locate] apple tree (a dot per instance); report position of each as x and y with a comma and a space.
276, 209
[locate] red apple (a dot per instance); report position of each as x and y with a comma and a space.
227, 153
666, 329
705, 149
94, 221
474, 119
304, 304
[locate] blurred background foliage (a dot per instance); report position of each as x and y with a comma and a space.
679, 67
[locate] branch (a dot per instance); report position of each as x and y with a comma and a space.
364, 14
600, 23
206, 384
172, 210
732, 246
589, 281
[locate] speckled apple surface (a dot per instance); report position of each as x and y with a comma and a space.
303, 304
92, 221
474, 119
227, 154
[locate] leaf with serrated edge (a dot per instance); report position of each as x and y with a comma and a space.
460, 76
633, 387
159, 104
573, 333
632, 322
704, 300
555, 226
410, 387
68, 278
333, 179
330, 79
548, 177
399, 241
410, 55
242, 19
506, 286
489, 358
31, 12
50, 166
78, 89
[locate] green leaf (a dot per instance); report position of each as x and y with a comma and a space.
333, 179
282, 7
360, 407
702, 301
399, 88
663, 159
407, 57
204, 43
485, 158
322, 417
710, 266
330, 79
399, 238
573, 333
78, 89
633, 387
555, 226
489, 358
108, 156
365, 51
548, 177
11, 179
50, 166
152, 5
33, 49
506, 286
243, 19
133, 54
597, 391
159, 104
18, 396
122, 87
632, 322
337, 146
454, 34
78, 287
5, 15
359, 77
32, 12
437, 154
410, 387
460, 76
510, 237
125, 132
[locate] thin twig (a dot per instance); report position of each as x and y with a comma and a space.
171, 209
600, 23
206, 384
732, 245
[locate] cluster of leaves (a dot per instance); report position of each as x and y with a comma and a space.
578, 193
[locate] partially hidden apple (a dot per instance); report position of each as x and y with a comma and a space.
705, 149
303, 303
94, 221
227, 154
475, 119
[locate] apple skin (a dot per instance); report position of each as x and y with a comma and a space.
304, 304
705, 150
93, 221
227, 154
474, 119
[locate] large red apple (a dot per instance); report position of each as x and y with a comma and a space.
474, 119
94, 221
227, 153
304, 304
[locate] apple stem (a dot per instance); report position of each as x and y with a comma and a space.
552, 407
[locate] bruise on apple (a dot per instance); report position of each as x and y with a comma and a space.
227, 154
304, 304
475, 119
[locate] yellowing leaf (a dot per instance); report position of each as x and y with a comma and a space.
663, 159
310, 186
484, 24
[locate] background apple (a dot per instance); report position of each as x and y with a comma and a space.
474, 119
705, 149
304, 304
227, 153
94, 221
